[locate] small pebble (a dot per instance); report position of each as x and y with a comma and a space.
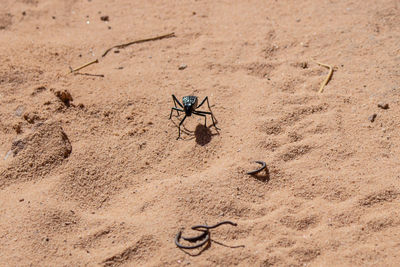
182, 67
383, 105
19, 111
9, 153
372, 117
104, 18
64, 96
21, 200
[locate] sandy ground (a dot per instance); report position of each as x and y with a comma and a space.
99, 179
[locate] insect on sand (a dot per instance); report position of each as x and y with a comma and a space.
190, 106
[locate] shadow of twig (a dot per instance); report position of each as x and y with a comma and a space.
89, 74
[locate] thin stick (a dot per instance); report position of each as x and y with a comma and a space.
84, 66
325, 82
139, 41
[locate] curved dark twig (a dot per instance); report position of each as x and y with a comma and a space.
196, 227
228, 246
263, 166
178, 237
196, 238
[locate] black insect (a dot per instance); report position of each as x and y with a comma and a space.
189, 106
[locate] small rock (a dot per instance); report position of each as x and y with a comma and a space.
31, 117
19, 111
372, 117
9, 153
21, 200
64, 96
18, 128
104, 18
383, 105
304, 65
182, 67
17, 146
38, 90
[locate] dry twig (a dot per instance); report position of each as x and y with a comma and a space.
325, 82
83, 66
123, 46
169, 35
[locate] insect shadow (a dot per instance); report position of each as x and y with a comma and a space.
202, 134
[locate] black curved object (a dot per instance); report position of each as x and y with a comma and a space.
179, 235
196, 238
196, 227
263, 166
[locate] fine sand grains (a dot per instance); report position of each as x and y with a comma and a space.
91, 173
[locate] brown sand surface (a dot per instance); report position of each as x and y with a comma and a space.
91, 173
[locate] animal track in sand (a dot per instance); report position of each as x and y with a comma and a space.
277, 126
295, 152
300, 224
36, 153
140, 252
105, 236
379, 197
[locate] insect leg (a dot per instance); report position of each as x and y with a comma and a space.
176, 101
209, 113
202, 102
177, 110
203, 115
179, 133
212, 115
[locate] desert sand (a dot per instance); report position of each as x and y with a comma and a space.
91, 173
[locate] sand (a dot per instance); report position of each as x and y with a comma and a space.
91, 173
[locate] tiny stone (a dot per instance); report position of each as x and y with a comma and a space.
23, 13
9, 153
104, 18
19, 111
21, 200
182, 67
372, 117
304, 65
383, 105
64, 96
